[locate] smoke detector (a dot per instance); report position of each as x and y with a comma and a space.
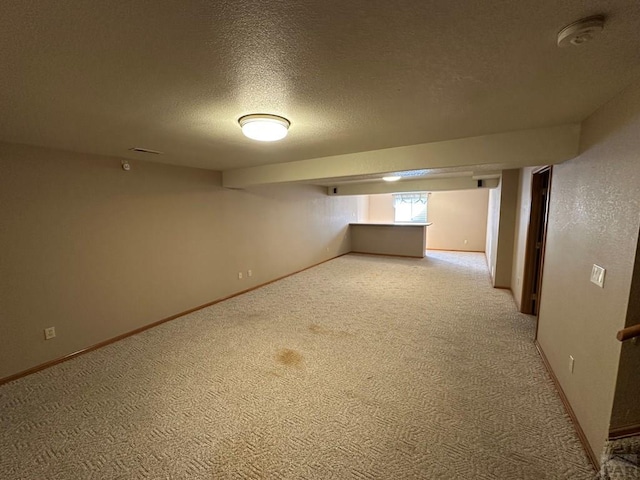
581, 31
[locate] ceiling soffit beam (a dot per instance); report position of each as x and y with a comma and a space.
424, 185
542, 146
486, 175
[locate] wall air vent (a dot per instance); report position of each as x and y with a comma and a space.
145, 150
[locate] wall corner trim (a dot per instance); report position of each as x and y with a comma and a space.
567, 406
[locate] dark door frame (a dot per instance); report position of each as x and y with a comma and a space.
536, 241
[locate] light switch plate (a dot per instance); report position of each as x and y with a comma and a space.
597, 275
571, 362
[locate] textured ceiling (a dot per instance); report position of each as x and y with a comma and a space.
174, 76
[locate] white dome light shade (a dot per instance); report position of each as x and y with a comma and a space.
393, 178
264, 127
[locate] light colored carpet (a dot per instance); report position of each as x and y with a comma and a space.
621, 459
363, 367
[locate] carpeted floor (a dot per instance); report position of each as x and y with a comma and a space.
363, 367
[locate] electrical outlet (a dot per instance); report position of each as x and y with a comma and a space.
571, 362
597, 275
239, 275
249, 273
49, 333
466, 241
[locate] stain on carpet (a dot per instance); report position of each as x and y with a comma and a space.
289, 357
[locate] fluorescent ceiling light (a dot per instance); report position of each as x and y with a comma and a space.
393, 178
264, 127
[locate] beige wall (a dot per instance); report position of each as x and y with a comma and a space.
501, 225
97, 252
506, 229
493, 222
457, 216
381, 208
523, 211
594, 217
363, 208
459, 220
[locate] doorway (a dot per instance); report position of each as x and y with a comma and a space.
536, 238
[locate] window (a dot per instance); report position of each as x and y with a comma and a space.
410, 207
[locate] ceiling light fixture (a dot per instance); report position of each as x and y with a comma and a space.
264, 127
393, 178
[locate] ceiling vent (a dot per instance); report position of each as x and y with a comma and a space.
581, 31
145, 150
